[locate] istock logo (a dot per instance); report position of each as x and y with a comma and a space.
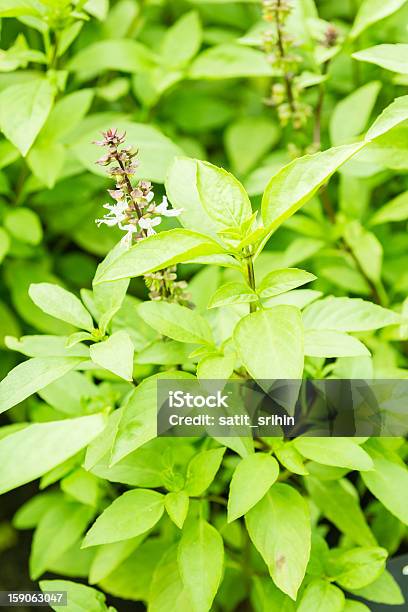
181, 399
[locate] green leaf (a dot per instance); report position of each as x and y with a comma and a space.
395, 210
176, 504
216, 367
125, 55
280, 281
80, 597
342, 508
138, 419
157, 252
31, 376
30, 513
248, 140
297, 182
24, 109
182, 41
176, 322
59, 528
61, 304
18, 8
321, 595
222, 196
252, 479
341, 452
46, 161
266, 596
166, 586
31, 452
109, 556
115, 354
229, 61
109, 296
372, 11
357, 567
355, 606
201, 555
232, 293
270, 343
395, 114
130, 515
347, 315
4, 243
181, 188
367, 249
388, 481
383, 590
279, 527
66, 115
82, 486
351, 114
326, 343
24, 224
201, 471
392, 57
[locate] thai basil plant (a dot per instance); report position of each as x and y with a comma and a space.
291, 266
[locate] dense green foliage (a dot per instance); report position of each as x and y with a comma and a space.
303, 102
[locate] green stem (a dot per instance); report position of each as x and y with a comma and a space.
251, 279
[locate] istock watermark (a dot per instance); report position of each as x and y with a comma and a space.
266, 408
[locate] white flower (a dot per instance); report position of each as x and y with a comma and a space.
115, 215
163, 209
148, 224
130, 230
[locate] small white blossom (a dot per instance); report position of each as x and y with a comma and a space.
130, 230
115, 215
149, 223
163, 209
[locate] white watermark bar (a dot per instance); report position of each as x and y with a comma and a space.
266, 408
46, 599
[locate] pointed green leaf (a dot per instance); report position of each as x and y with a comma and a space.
270, 343
59, 528
115, 354
222, 196
128, 516
388, 481
201, 555
372, 11
176, 322
31, 376
79, 596
392, 57
36, 449
252, 479
342, 508
159, 251
24, 109
279, 527
232, 293
297, 182
321, 595
341, 452
280, 281
202, 469
176, 504
393, 115
61, 304
347, 315
326, 343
